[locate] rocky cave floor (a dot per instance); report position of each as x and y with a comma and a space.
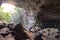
47, 34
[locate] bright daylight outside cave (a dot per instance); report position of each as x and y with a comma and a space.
10, 13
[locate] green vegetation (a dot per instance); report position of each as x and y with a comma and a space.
16, 16
4, 16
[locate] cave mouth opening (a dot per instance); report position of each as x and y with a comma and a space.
10, 13
13, 14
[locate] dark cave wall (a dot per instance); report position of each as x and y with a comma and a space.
49, 11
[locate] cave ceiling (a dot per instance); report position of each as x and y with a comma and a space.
26, 4
47, 7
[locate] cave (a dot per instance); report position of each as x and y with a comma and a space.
44, 14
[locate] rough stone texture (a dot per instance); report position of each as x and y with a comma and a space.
7, 37
50, 34
45, 10
50, 8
